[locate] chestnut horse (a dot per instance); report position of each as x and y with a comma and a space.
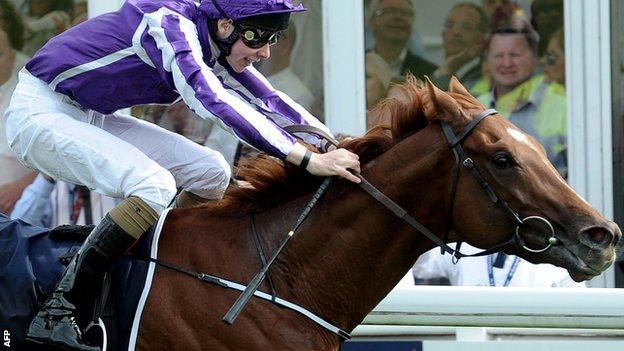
351, 251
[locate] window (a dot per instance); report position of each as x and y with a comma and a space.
510, 55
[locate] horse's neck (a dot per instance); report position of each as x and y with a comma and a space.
354, 251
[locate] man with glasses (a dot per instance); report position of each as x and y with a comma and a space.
462, 38
62, 121
391, 23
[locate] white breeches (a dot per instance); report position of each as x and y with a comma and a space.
115, 155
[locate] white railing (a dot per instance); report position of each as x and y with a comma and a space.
501, 307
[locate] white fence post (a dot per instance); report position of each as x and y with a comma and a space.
588, 78
343, 55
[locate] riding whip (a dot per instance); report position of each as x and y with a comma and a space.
244, 298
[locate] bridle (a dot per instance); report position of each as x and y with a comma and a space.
461, 159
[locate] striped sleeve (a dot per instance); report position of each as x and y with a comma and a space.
257, 86
177, 41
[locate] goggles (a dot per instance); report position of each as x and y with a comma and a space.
256, 38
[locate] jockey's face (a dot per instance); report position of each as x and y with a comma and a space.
241, 55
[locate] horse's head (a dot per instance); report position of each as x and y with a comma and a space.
516, 167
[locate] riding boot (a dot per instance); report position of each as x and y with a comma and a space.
56, 324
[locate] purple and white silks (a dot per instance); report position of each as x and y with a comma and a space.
151, 51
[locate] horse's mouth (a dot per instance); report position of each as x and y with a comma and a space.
581, 261
576, 266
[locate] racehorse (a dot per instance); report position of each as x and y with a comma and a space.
351, 250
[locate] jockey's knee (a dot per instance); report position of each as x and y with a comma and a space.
157, 190
212, 178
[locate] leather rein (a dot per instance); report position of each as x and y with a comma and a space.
461, 160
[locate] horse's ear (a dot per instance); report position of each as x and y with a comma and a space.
456, 87
439, 106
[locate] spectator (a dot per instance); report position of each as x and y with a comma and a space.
518, 93
80, 12
391, 23
45, 19
501, 15
462, 39
278, 69
12, 23
493, 270
546, 18
48, 203
179, 118
554, 59
414, 45
490, 5
14, 177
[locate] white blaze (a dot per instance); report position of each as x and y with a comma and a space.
521, 137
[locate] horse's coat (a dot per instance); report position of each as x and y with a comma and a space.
351, 251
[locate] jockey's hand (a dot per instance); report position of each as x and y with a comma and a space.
337, 162
333, 163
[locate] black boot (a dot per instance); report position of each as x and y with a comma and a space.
56, 324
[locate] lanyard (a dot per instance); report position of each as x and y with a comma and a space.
510, 274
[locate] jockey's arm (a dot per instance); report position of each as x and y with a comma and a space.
285, 110
182, 57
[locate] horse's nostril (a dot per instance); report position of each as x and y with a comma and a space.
598, 235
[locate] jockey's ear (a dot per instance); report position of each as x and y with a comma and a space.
438, 105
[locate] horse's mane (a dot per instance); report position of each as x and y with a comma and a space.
272, 182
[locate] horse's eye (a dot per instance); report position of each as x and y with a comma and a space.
502, 160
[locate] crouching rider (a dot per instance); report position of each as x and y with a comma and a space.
62, 122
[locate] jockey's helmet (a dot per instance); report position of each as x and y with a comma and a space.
256, 22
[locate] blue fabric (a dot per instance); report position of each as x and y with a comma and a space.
29, 271
127, 285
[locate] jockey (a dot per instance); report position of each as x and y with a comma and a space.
62, 122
